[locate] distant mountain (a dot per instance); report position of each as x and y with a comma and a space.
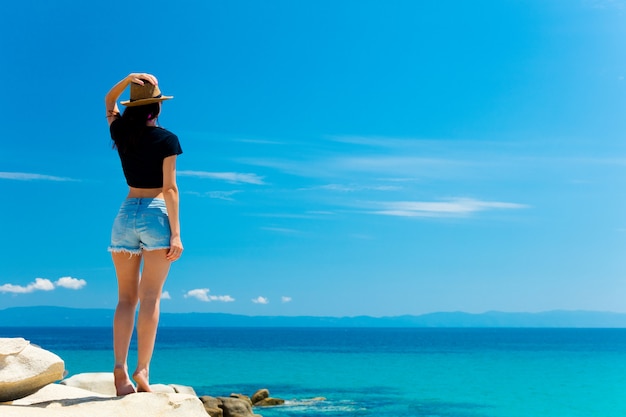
72, 317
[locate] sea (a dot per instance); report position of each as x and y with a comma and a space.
382, 372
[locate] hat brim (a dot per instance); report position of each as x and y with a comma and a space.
144, 101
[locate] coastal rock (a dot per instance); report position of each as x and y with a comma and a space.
212, 406
242, 397
54, 392
268, 402
140, 404
12, 346
25, 368
167, 389
260, 395
262, 398
99, 382
235, 407
183, 389
103, 383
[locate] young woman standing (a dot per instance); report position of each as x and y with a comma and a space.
147, 228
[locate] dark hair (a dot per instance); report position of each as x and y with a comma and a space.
133, 124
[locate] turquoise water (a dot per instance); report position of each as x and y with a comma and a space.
381, 372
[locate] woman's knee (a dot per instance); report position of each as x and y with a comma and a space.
127, 301
149, 297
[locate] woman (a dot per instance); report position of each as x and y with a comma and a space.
147, 226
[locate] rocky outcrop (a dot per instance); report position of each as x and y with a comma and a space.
268, 402
25, 368
242, 397
212, 406
183, 389
260, 395
26, 390
262, 398
140, 404
236, 407
103, 383
100, 382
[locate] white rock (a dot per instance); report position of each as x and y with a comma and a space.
133, 405
54, 392
12, 346
184, 389
162, 388
100, 382
25, 368
103, 383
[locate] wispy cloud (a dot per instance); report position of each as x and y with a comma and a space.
26, 176
407, 167
218, 195
605, 4
202, 294
285, 299
165, 295
260, 300
459, 207
353, 188
231, 177
44, 284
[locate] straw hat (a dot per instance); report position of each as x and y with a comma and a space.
144, 94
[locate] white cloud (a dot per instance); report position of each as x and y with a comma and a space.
285, 299
222, 298
260, 300
44, 284
453, 208
202, 294
40, 284
25, 176
71, 283
232, 177
165, 295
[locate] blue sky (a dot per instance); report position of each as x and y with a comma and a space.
340, 157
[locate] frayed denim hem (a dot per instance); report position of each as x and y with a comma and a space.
157, 248
130, 252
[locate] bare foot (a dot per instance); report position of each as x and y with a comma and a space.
141, 378
123, 386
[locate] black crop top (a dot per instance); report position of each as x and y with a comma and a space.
143, 163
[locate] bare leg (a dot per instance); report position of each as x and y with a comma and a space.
127, 270
155, 270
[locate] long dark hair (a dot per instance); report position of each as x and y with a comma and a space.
133, 124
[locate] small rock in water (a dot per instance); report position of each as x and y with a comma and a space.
260, 395
267, 402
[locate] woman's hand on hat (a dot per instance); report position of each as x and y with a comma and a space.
141, 77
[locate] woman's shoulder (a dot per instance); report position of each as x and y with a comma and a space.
163, 137
161, 131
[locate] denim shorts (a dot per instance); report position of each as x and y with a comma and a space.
141, 224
